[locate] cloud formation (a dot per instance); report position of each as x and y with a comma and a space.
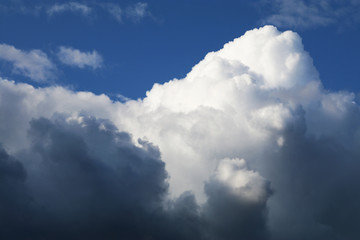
75, 57
249, 145
34, 64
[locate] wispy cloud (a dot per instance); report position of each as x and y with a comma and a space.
134, 13
308, 14
115, 11
69, 7
75, 57
138, 11
33, 64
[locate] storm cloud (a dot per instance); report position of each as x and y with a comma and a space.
249, 145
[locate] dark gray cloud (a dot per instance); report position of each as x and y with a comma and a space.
317, 190
14, 199
86, 181
229, 216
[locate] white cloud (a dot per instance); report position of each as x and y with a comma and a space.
260, 99
33, 64
307, 14
69, 7
75, 57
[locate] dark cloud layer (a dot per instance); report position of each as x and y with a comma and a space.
83, 179
81, 182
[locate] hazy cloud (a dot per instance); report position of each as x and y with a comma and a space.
115, 11
308, 14
138, 11
75, 57
134, 12
34, 64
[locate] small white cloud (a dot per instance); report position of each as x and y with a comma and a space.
71, 7
75, 57
33, 64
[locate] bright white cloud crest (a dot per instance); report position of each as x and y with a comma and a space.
247, 101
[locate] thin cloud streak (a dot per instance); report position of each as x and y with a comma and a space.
309, 14
75, 57
69, 7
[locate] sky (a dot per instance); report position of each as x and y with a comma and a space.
213, 120
171, 36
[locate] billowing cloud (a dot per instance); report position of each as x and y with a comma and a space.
33, 64
308, 14
75, 7
75, 57
249, 145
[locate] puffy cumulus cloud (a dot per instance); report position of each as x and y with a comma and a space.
254, 148
75, 57
231, 105
33, 64
245, 101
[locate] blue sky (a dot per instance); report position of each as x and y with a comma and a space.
169, 37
